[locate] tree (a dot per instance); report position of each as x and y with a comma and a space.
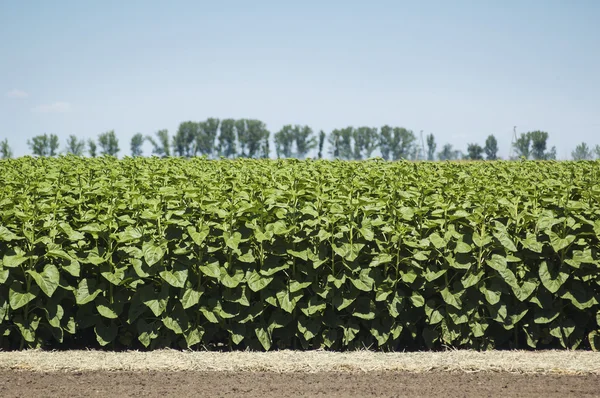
491, 148
136, 144
257, 139
242, 137
226, 142
75, 146
184, 141
5, 150
305, 141
340, 141
597, 151
92, 146
109, 144
365, 142
160, 146
44, 145
431, 145
582, 152
284, 140
206, 135
322, 142
522, 146
538, 144
474, 152
396, 143
447, 153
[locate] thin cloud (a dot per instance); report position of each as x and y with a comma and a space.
55, 107
16, 93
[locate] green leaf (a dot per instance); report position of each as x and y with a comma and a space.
559, 243
3, 276
198, 237
105, 334
175, 278
232, 281
86, 291
256, 282
504, 237
549, 282
451, 299
191, 297
263, 336
247, 257
74, 268
462, 247
152, 253
18, 298
212, 269
417, 300
14, 261
437, 241
364, 282
6, 235
47, 280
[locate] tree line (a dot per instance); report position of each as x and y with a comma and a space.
250, 138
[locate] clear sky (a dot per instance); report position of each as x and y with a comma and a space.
459, 69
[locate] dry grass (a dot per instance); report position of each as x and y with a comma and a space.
546, 362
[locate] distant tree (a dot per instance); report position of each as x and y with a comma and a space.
597, 151
184, 141
582, 152
365, 142
396, 143
206, 136
109, 144
551, 155
257, 137
448, 153
160, 145
431, 145
136, 144
5, 150
538, 144
241, 131
522, 146
340, 141
474, 152
75, 146
226, 142
305, 141
491, 148
284, 140
92, 148
322, 142
44, 145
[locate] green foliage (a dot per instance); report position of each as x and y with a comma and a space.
161, 146
272, 254
136, 144
448, 153
582, 152
109, 144
92, 148
44, 145
474, 152
5, 150
431, 146
491, 148
396, 143
75, 146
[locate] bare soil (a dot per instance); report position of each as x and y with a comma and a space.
19, 383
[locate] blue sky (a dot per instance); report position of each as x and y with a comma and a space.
458, 69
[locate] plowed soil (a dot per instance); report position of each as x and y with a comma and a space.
19, 383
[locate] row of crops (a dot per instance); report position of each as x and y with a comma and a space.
268, 254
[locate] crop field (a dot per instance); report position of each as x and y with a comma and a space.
267, 255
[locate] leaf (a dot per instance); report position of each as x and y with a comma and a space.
462, 247
364, 282
14, 261
47, 280
248, 257
263, 337
212, 270
198, 237
74, 268
451, 299
191, 297
232, 281
256, 282
105, 334
175, 278
437, 241
417, 299
152, 253
18, 298
559, 243
549, 282
86, 291
504, 237
6, 235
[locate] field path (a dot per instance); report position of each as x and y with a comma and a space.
166, 373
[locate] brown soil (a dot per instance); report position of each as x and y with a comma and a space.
19, 383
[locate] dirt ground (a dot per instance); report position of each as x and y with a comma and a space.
19, 383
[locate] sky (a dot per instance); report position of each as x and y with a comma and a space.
461, 70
